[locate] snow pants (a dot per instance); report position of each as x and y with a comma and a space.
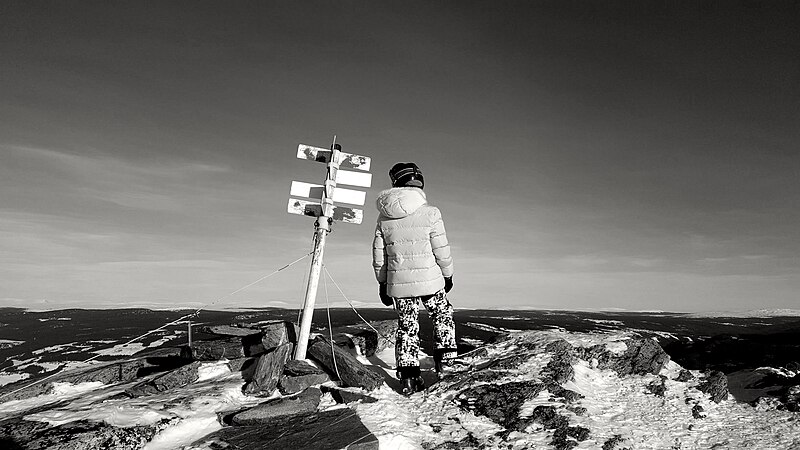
444, 329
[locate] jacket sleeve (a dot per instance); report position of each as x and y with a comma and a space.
440, 246
379, 255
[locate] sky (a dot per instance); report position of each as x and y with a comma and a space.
585, 155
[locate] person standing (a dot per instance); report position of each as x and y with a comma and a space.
412, 263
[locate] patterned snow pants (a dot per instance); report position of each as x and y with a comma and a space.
444, 328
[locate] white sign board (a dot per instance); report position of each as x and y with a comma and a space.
317, 191
313, 209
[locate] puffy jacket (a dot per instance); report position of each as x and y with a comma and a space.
410, 252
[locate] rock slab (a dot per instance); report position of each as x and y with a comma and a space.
280, 409
268, 371
334, 429
350, 370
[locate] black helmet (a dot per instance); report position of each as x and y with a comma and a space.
406, 174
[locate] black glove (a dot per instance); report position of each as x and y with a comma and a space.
448, 284
385, 299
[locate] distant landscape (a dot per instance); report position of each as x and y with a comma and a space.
33, 344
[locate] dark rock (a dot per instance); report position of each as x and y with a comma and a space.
280, 409
268, 370
239, 364
685, 376
559, 370
470, 441
510, 362
698, 412
715, 384
335, 429
228, 330
276, 334
289, 384
345, 396
386, 331
365, 341
567, 395
500, 403
559, 346
548, 417
577, 410
228, 348
612, 443
81, 434
658, 388
297, 367
350, 370
642, 356
458, 381
791, 399
173, 379
565, 438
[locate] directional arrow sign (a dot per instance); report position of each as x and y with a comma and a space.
317, 191
313, 209
323, 155
353, 178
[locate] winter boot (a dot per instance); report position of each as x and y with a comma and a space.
443, 362
411, 380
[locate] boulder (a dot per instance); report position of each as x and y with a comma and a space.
281, 409
335, 429
215, 349
289, 384
277, 333
350, 370
268, 370
297, 367
180, 377
715, 385
642, 356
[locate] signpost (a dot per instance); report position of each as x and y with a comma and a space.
320, 203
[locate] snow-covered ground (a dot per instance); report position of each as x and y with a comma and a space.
614, 406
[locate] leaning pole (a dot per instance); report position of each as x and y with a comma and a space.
321, 204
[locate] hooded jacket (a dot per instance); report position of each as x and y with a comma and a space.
410, 252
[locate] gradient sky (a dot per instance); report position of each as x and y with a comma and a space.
585, 155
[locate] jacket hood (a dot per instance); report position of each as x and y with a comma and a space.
396, 203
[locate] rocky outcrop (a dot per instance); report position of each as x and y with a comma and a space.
715, 385
642, 356
78, 435
500, 403
107, 373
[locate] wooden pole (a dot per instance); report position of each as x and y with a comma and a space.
322, 228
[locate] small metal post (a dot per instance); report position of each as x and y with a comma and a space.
190, 333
